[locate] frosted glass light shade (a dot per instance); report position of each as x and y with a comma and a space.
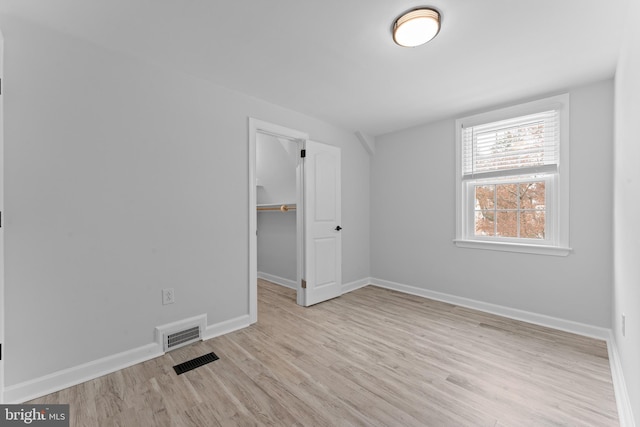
416, 27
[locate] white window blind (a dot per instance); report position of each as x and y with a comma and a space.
521, 145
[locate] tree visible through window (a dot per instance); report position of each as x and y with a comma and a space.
511, 210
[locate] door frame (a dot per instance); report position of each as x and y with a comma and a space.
2, 222
258, 126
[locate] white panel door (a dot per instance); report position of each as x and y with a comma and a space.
322, 223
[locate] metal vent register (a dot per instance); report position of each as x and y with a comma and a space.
195, 363
180, 338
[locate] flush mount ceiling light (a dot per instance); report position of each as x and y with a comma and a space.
416, 27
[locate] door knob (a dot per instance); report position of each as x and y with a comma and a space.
338, 228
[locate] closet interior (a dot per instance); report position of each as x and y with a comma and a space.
276, 196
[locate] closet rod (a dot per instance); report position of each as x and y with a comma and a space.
282, 208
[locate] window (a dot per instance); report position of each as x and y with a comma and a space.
513, 178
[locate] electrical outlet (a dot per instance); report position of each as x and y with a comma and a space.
623, 325
168, 296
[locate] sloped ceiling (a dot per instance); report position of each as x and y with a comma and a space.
335, 59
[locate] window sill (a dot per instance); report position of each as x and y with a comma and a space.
513, 247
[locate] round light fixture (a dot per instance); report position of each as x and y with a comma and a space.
416, 27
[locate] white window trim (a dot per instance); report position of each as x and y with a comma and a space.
560, 202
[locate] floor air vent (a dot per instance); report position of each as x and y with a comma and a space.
195, 363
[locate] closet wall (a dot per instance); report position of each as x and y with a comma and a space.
276, 160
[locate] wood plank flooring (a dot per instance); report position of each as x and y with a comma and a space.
372, 357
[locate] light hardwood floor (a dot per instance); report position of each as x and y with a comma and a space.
372, 357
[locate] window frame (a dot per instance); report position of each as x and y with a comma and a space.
556, 240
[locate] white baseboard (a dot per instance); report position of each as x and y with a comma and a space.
226, 327
56, 381
512, 313
278, 280
346, 287
357, 284
625, 413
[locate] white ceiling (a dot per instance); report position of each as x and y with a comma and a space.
335, 59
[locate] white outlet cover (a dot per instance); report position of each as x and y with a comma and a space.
168, 296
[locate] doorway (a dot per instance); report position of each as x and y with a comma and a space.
258, 129
317, 212
277, 202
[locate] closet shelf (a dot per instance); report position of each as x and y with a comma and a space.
282, 207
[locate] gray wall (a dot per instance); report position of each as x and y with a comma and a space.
626, 296
277, 245
123, 178
413, 222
